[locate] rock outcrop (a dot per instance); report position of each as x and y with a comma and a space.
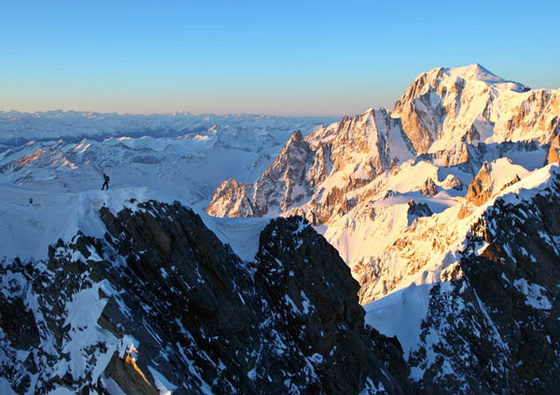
417, 210
553, 155
481, 186
234, 198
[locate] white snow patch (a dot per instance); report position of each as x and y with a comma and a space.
533, 293
162, 384
242, 234
401, 314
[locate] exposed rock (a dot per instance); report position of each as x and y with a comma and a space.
429, 188
18, 323
165, 298
418, 114
232, 198
464, 212
553, 155
128, 376
452, 182
495, 329
417, 210
481, 187
295, 286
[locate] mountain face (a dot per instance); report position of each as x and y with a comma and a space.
359, 176
443, 210
160, 304
440, 208
449, 116
490, 322
448, 108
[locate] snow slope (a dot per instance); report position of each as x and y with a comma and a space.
427, 263
31, 220
482, 297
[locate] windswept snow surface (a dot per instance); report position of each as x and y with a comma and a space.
162, 384
478, 72
401, 314
31, 220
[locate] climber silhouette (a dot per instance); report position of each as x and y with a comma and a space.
105, 182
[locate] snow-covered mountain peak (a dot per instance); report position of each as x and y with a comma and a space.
458, 137
473, 74
474, 71
447, 108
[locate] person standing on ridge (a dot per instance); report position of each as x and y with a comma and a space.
105, 182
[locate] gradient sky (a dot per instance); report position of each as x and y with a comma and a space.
272, 57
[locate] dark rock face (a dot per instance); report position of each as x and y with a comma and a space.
417, 210
162, 299
18, 323
321, 314
495, 328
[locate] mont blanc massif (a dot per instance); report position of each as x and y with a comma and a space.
412, 250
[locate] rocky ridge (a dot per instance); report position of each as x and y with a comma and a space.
161, 304
492, 323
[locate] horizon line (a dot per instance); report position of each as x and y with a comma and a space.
184, 113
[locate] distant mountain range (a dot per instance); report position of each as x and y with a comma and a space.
17, 128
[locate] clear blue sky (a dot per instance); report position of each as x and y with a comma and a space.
275, 57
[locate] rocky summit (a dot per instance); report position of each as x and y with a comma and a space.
159, 303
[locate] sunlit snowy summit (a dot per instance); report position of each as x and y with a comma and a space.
231, 253
443, 208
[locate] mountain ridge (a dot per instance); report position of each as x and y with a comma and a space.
159, 304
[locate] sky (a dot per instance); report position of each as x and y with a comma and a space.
321, 58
